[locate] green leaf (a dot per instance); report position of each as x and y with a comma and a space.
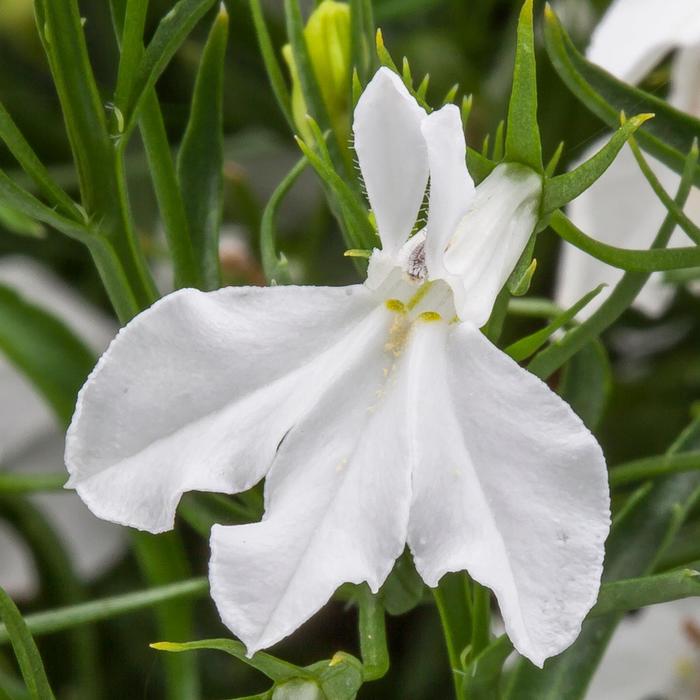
668, 136
272, 65
631, 594
482, 676
479, 167
128, 28
523, 348
171, 32
26, 652
586, 383
53, 564
362, 33
274, 265
360, 233
523, 134
13, 483
653, 260
35, 169
64, 618
19, 223
653, 467
562, 189
550, 359
275, 669
201, 160
44, 350
634, 545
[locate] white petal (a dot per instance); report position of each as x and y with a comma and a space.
685, 80
392, 155
490, 239
509, 485
197, 392
635, 34
336, 499
622, 210
451, 186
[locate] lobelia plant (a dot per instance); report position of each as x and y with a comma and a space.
401, 440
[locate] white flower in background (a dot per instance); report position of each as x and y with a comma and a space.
671, 671
31, 442
378, 413
621, 208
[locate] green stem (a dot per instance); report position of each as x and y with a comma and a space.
96, 610
54, 565
549, 360
481, 619
452, 597
375, 656
30, 483
651, 467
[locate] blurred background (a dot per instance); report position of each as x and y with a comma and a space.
643, 392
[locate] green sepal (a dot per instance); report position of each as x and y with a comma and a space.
523, 135
201, 160
519, 281
562, 189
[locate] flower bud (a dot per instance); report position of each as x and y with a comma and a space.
327, 35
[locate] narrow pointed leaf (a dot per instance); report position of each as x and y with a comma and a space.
562, 189
523, 134
482, 677
19, 223
524, 347
171, 32
201, 159
668, 137
25, 649
27, 333
631, 594
273, 264
652, 467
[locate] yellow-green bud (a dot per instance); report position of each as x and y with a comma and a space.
327, 35
16, 14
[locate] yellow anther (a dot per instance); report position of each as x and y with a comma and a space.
396, 306
430, 316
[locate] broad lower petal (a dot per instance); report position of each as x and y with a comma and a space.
451, 186
392, 155
336, 500
490, 238
634, 35
509, 485
197, 392
622, 210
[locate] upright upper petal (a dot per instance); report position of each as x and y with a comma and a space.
507, 484
451, 186
337, 497
197, 392
490, 238
392, 155
635, 34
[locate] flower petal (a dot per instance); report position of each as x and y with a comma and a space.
622, 210
337, 499
197, 392
635, 34
451, 186
508, 484
392, 155
490, 239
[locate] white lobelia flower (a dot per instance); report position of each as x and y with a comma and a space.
31, 442
378, 413
621, 208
